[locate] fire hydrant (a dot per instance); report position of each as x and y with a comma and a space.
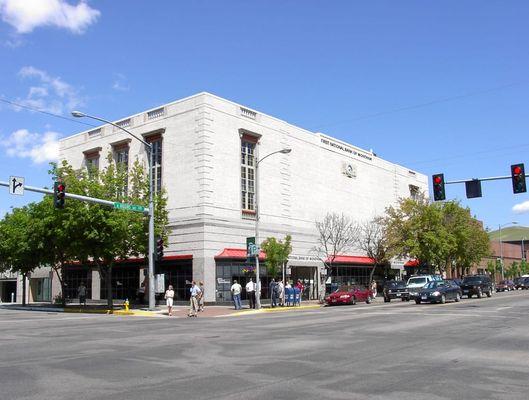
126, 304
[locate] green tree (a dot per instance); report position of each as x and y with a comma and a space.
18, 252
277, 252
105, 235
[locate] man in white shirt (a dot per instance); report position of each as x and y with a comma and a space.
236, 290
193, 301
250, 291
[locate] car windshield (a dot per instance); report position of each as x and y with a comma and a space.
395, 284
434, 285
344, 289
472, 279
416, 281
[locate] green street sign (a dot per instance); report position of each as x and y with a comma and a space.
128, 207
251, 248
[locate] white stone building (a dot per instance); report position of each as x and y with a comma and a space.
205, 150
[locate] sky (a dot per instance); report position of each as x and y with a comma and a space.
439, 87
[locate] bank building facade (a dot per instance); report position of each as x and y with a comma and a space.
205, 154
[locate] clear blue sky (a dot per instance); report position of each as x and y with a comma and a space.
435, 86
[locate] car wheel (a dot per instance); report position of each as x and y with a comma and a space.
443, 299
368, 300
480, 293
407, 299
458, 297
387, 299
417, 301
403, 299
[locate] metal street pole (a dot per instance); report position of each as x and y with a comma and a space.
150, 162
501, 245
523, 249
257, 205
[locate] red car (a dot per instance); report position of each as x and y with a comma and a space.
349, 295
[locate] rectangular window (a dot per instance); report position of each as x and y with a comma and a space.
121, 155
156, 143
247, 174
92, 162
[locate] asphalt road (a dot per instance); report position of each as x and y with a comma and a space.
475, 349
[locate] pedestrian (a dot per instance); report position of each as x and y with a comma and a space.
169, 296
250, 292
374, 288
281, 293
288, 293
201, 296
81, 292
273, 293
193, 300
236, 290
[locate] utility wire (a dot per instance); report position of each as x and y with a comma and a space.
421, 105
45, 112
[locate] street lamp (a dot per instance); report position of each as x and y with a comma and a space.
501, 244
150, 161
258, 281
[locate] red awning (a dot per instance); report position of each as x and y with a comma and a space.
412, 263
357, 260
236, 254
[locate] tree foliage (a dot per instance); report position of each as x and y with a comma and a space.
277, 252
438, 234
373, 241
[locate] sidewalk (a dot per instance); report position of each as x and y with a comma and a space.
179, 311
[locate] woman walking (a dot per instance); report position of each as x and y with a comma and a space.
201, 296
169, 296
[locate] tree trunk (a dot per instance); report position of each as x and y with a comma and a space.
109, 286
58, 272
23, 290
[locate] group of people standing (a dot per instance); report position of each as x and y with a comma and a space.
196, 300
276, 290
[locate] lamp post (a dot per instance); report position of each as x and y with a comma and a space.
258, 281
150, 161
501, 244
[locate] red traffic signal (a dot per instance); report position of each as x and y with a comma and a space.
438, 181
59, 194
518, 178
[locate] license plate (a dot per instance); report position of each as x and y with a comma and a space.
423, 297
334, 300
398, 294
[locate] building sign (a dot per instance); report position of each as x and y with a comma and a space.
293, 257
346, 149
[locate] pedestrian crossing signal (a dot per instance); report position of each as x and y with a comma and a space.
438, 181
59, 194
518, 178
159, 248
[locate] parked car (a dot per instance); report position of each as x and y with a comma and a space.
457, 281
349, 294
477, 285
518, 282
524, 283
505, 286
416, 283
439, 292
395, 290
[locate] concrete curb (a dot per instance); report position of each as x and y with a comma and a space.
30, 308
271, 310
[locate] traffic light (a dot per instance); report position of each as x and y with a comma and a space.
59, 194
518, 178
438, 181
159, 248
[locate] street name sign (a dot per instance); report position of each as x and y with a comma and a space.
129, 207
16, 185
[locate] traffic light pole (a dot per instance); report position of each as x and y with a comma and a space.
493, 178
72, 196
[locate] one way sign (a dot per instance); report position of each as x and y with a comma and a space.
16, 185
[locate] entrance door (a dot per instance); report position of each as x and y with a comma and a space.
309, 277
8, 287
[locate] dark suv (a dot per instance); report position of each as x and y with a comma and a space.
477, 285
396, 290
